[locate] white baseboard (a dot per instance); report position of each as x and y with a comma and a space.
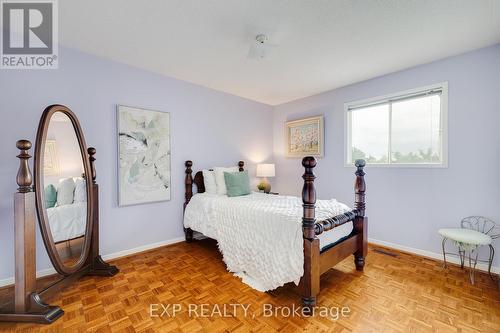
111, 256
41, 273
142, 248
429, 254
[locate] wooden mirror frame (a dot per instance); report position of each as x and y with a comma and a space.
27, 305
43, 220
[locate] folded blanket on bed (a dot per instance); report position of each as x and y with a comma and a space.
259, 235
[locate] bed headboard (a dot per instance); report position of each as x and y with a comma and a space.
198, 180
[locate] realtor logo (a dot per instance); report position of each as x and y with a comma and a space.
29, 34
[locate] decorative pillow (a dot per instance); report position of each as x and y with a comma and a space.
219, 178
80, 190
65, 191
50, 196
237, 183
209, 181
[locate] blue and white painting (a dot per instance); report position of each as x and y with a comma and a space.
144, 156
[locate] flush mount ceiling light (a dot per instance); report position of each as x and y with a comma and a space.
260, 47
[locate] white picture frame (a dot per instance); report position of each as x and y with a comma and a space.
50, 159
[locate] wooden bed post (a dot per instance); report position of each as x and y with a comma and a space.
361, 221
310, 281
188, 182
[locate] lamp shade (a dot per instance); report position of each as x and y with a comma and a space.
265, 170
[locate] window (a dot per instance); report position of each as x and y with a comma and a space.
404, 129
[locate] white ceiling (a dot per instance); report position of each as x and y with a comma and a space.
323, 44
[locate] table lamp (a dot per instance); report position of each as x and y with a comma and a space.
265, 171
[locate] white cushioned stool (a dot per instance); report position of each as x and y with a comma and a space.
475, 231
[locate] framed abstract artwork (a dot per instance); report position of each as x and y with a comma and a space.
143, 155
304, 137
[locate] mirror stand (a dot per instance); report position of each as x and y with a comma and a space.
28, 305
98, 266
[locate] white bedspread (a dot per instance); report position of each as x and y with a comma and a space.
67, 221
260, 235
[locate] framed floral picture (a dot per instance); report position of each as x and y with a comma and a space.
304, 137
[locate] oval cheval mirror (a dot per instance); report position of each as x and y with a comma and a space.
66, 194
66, 201
63, 195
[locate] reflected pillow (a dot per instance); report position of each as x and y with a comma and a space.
209, 181
80, 190
237, 183
65, 191
50, 196
219, 178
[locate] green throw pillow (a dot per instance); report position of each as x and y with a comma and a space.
50, 196
237, 183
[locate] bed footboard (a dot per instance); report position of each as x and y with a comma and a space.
315, 261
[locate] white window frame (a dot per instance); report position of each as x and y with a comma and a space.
443, 86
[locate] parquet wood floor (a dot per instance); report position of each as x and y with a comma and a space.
405, 293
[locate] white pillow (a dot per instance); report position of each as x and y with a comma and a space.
219, 178
65, 191
80, 190
209, 181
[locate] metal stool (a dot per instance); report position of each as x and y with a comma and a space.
475, 231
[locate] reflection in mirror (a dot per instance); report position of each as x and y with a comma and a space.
65, 189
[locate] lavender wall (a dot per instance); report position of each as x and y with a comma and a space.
406, 206
209, 127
